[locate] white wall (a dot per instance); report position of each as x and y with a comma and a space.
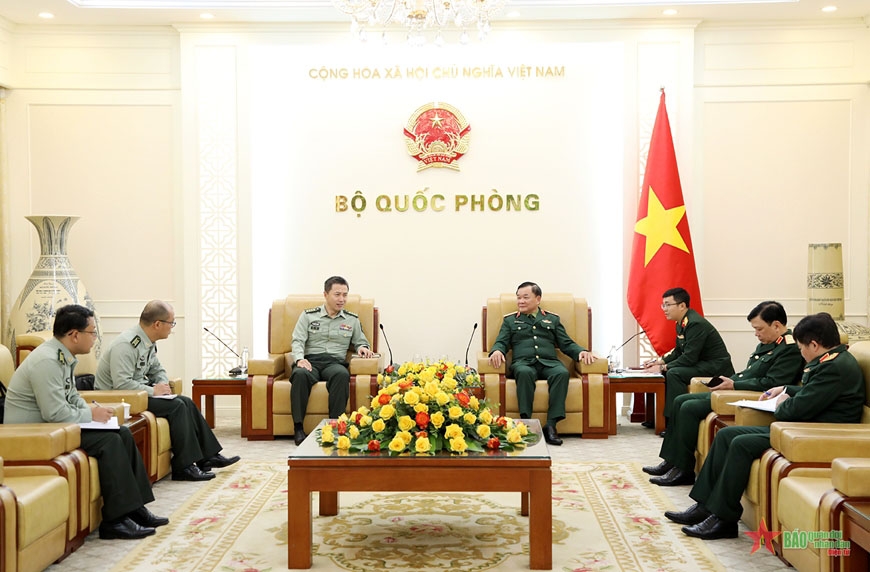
197, 157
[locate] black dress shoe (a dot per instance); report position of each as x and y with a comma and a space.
144, 517
191, 473
124, 528
216, 462
658, 470
550, 435
662, 434
713, 528
674, 478
692, 515
299, 436
648, 424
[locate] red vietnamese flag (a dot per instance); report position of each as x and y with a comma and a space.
662, 254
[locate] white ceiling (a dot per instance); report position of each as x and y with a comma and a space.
77, 12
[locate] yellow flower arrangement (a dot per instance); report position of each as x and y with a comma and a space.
423, 409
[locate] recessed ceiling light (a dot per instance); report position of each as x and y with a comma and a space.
206, 16
513, 14
829, 9
669, 12
46, 15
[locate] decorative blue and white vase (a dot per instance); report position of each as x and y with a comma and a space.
52, 284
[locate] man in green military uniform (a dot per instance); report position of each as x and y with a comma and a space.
130, 362
321, 340
43, 390
534, 334
699, 349
776, 361
831, 391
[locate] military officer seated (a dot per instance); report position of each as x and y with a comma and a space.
320, 344
534, 334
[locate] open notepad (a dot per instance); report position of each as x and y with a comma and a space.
766, 405
112, 423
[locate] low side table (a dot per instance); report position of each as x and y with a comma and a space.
856, 530
210, 387
652, 384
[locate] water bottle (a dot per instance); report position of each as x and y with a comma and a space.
245, 360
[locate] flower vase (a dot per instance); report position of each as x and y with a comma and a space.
825, 288
52, 284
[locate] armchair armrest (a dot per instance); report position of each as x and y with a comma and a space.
38, 441
138, 400
699, 385
820, 442
483, 366
598, 366
851, 476
361, 365
176, 385
721, 401
274, 365
753, 417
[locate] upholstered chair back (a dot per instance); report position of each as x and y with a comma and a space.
861, 351
7, 367
573, 313
285, 313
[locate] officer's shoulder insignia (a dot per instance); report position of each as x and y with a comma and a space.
789, 339
60, 357
312, 310
829, 357
509, 314
685, 321
136, 341
349, 313
550, 313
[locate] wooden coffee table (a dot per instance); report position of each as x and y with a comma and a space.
313, 468
857, 531
652, 384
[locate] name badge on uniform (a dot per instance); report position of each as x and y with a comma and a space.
314, 326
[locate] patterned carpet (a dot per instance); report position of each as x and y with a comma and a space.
605, 517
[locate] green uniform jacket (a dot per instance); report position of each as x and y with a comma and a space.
43, 390
535, 339
130, 362
771, 365
697, 341
317, 333
831, 391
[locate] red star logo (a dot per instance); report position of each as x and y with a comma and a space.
762, 536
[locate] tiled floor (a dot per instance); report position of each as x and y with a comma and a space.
632, 443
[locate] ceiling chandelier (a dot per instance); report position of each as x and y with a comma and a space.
420, 17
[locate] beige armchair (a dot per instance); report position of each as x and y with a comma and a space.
268, 388
587, 403
48, 476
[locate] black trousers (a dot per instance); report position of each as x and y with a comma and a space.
323, 368
192, 438
123, 479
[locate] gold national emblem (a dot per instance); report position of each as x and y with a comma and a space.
437, 136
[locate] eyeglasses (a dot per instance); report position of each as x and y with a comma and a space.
171, 324
667, 305
91, 332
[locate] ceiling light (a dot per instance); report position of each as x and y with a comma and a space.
513, 14
669, 12
206, 16
420, 17
829, 9
46, 15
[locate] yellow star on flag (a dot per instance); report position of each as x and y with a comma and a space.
660, 227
